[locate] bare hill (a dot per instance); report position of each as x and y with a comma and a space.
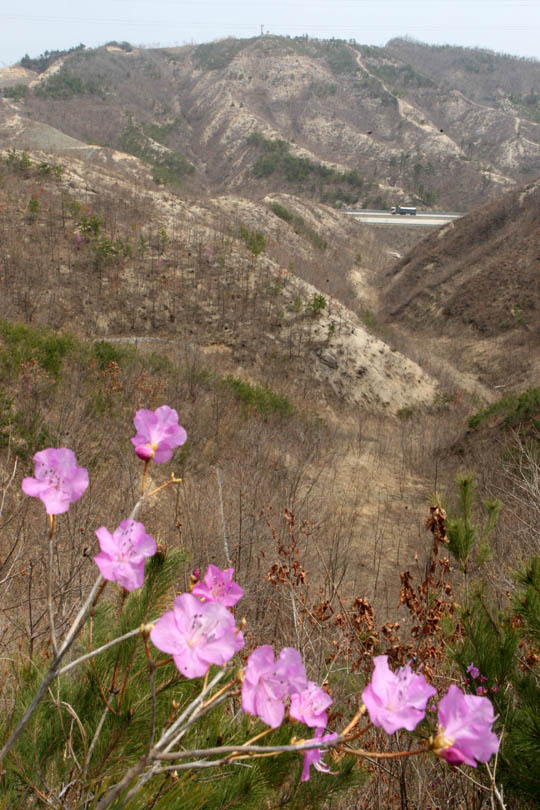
332, 121
485, 76
83, 248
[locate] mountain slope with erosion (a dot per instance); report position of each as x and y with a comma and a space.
330, 120
92, 252
473, 289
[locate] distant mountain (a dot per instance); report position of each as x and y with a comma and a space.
330, 121
498, 79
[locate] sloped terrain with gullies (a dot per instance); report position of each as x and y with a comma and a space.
208, 302
107, 260
331, 121
474, 286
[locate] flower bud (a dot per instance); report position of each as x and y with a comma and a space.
145, 451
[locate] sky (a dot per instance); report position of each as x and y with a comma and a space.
34, 26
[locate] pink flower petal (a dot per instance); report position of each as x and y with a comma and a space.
398, 699
190, 664
198, 634
158, 434
314, 756
145, 422
269, 710
58, 481
34, 488
106, 542
217, 586
165, 634
123, 553
309, 706
268, 683
464, 732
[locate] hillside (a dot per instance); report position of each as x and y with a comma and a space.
473, 288
108, 260
198, 232
188, 195
498, 79
331, 121
207, 304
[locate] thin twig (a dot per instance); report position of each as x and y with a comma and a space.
257, 751
360, 752
152, 668
134, 511
215, 697
6, 488
303, 745
169, 738
146, 463
99, 650
94, 741
222, 513
153, 716
495, 789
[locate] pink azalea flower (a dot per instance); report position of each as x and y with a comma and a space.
158, 433
268, 683
396, 699
314, 756
473, 671
123, 553
217, 586
197, 634
464, 732
58, 480
309, 706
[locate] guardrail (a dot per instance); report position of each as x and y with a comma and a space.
423, 213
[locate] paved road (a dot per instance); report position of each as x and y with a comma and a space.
433, 219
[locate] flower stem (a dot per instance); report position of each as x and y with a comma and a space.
218, 694
146, 463
172, 480
50, 606
360, 713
